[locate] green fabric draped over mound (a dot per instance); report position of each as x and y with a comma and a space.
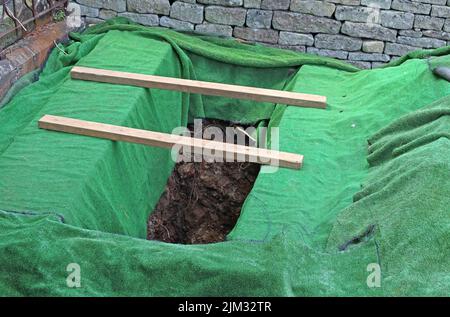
316, 231
406, 199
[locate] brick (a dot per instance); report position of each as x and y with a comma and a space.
428, 23
253, 4
371, 31
187, 12
357, 14
29, 53
360, 64
337, 42
411, 6
437, 34
421, 42
317, 8
373, 46
440, 11
155, 7
397, 20
225, 15
275, 4
368, 57
410, 33
116, 5
259, 35
327, 53
176, 24
107, 14
346, 2
382, 4
7, 75
214, 29
398, 49
259, 18
297, 48
89, 11
441, 2
292, 39
447, 25
144, 19
226, 3
304, 23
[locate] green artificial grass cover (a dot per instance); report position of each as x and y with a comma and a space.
374, 188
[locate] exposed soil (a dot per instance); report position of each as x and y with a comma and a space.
202, 201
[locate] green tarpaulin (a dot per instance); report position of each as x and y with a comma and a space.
374, 190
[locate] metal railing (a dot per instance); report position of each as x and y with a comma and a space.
38, 9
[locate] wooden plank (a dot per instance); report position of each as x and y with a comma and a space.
200, 87
209, 148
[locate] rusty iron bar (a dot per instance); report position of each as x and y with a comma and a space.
32, 7
12, 14
53, 5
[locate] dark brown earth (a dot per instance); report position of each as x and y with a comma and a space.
202, 201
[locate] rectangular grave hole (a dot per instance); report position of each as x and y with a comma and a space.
202, 201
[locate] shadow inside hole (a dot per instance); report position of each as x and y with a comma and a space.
202, 201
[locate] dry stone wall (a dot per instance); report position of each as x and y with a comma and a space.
367, 33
